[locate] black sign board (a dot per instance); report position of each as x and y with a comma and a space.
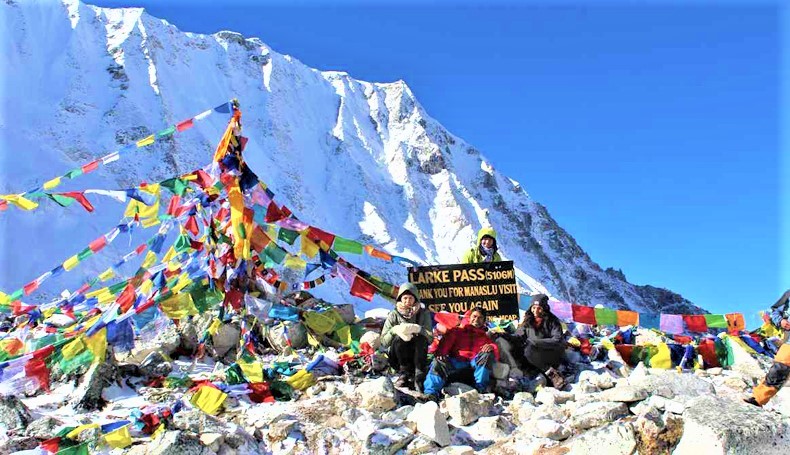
457, 288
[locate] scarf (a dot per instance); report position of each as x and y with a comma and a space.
487, 253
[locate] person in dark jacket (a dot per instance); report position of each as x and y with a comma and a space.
406, 335
780, 369
467, 346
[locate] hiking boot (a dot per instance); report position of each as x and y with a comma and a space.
752, 401
432, 397
405, 381
557, 379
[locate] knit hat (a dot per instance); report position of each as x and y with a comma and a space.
542, 300
410, 288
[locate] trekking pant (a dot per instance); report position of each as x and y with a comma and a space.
440, 371
776, 376
410, 357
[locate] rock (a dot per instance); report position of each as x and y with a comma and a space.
599, 380
491, 428
650, 423
521, 398
14, 415
625, 394
155, 365
167, 341
715, 371
398, 414
280, 429
780, 402
170, 443
387, 441
550, 395
613, 439
714, 425
681, 387
457, 450
464, 408
745, 363
735, 382
500, 370
88, 396
17, 444
430, 422
596, 414
378, 395
545, 428
211, 440
525, 413
43, 428
456, 388
197, 421
550, 412
420, 445
616, 363
191, 330
639, 371
226, 339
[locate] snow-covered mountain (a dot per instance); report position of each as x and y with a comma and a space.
362, 160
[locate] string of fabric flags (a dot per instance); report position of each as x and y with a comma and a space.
26, 200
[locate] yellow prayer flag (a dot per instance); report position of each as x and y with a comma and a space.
71, 262
120, 438
301, 380
143, 211
105, 297
52, 183
20, 201
76, 432
214, 327
95, 293
107, 274
146, 287
208, 399
97, 344
295, 262
308, 247
183, 281
146, 141
4, 299
171, 253
179, 306
253, 371
148, 222
662, 358
70, 350
158, 432
150, 259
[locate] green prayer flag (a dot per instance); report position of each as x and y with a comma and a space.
117, 287
287, 235
165, 133
182, 243
716, 321
605, 316
175, 185
73, 173
275, 253
63, 201
234, 375
342, 245
84, 254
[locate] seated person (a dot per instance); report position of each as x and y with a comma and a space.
467, 346
406, 335
540, 334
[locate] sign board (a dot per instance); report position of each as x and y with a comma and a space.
457, 288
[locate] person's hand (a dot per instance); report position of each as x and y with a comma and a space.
483, 357
785, 324
406, 336
487, 348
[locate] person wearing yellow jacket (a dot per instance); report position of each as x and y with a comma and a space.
780, 369
485, 250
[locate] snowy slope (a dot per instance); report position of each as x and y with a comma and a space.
359, 159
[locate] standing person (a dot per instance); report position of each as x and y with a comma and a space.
486, 249
407, 333
467, 346
780, 369
542, 337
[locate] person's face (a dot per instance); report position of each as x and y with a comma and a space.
477, 319
487, 242
407, 304
537, 311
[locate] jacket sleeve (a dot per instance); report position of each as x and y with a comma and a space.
386, 331
469, 257
494, 345
777, 314
554, 340
425, 323
446, 343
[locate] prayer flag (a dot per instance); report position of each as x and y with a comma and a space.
563, 310
716, 321
185, 125
120, 438
378, 253
671, 323
48, 185
695, 323
362, 288
605, 316
146, 141
583, 314
625, 318
342, 245
735, 322
208, 399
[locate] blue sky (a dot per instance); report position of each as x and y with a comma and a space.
651, 133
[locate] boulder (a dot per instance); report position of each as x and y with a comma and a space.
280, 429
744, 363
599, 380
387, 441
155, 365
44, 428
713, 425
88, 395
456, 388
670, 384
399, 414
596, 414
431, 422
465, 408
225, 340
780, 402
550, 395
545, 428
491, 428
457, 450
624, 394
500, 370
378, 395
14, 415
420, 444
616, 438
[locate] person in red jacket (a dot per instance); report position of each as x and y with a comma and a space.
467, 346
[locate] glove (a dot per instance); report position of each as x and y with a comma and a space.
403, 332
482, 358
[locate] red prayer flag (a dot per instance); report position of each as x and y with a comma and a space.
695, 322
92, 166
80, 197
51, 445
583, 314
191, 225
273, 213
318, 236
260, 393
30, 287
173, 205
98, 244
625, 351
233, 298
707, 349
362, 288
3, 205
37, 369
127, 298
185, 125
141, 248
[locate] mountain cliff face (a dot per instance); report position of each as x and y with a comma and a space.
359, 159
